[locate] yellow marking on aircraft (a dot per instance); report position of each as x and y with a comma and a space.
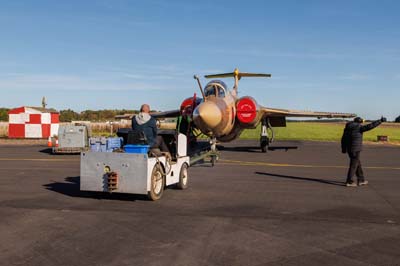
37, 159
247, 163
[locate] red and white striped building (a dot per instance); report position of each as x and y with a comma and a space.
32, 122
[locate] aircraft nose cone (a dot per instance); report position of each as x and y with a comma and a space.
207, 114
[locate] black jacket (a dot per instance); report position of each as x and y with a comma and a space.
149, 129
353, 135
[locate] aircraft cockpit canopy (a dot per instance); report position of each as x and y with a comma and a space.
215, 88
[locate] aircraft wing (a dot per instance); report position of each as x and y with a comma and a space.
166, 114
124, 116
156, 115
275, 112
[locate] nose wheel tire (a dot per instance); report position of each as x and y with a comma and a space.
157, 183
183, 177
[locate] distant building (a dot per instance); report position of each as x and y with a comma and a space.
125, 119
32, 122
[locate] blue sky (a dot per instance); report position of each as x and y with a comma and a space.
323, 55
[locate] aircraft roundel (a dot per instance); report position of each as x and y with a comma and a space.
246, 110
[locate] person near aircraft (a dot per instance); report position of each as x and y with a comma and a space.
352, 145
183, 121
184, 125
147, 124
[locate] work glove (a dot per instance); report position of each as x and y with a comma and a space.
383, 119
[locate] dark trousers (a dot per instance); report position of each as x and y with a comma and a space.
160, 143
355, 168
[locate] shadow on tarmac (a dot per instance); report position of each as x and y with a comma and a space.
255, 149
47, 150
71, 188
240, 148
323, 181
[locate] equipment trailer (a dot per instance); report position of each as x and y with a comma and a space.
71, 139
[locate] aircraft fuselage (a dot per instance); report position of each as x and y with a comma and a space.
216, 115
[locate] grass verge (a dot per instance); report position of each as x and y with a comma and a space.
316, 131
324, 132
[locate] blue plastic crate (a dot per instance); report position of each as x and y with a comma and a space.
114, 143
94, 144
93, 140
95, 147
136, 148
103, 147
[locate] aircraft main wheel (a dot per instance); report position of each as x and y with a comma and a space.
263, 148
264, 141
157, 183
183, 177
213, 160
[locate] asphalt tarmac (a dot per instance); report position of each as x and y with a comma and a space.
279, 208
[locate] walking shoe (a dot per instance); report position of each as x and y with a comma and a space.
363, 183
351, 184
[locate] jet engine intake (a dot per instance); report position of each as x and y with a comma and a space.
247, 111
188, 104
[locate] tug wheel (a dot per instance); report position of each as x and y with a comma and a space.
183, 177
157, 183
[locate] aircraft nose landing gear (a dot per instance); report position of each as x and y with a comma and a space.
213, 153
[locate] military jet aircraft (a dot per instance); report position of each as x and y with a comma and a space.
222, 115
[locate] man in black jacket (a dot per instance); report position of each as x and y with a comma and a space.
147, 124
352, 144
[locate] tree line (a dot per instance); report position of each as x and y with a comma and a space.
87, 115
4, 114
93, 115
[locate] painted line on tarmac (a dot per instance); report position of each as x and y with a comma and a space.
39, 160
247, 163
